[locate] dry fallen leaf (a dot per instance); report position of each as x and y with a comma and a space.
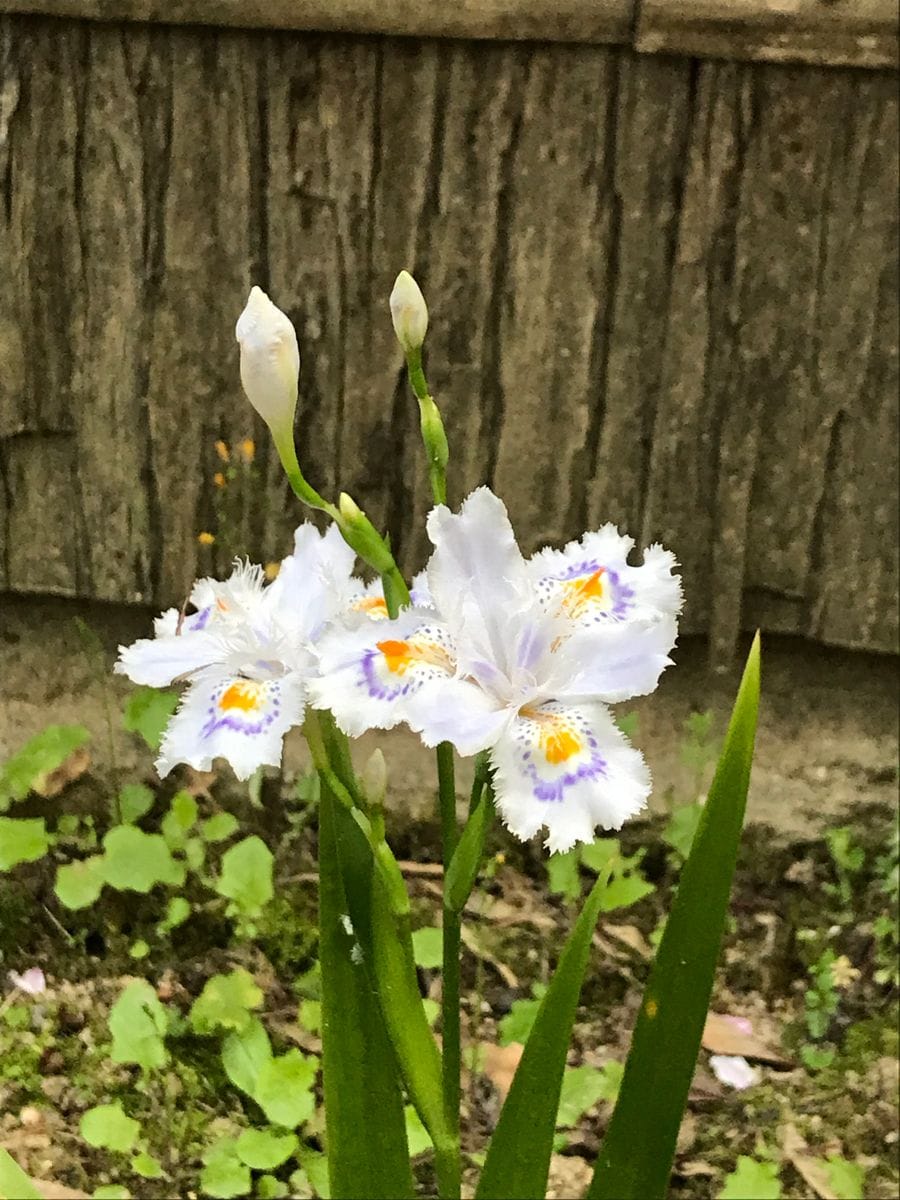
499, 1064
695, 1167
471, 942
809, 1168
53, 782
722, 1035
502, 912
632, 937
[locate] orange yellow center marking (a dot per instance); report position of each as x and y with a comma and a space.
557, 739
581, 592
244, 696
398, 656
559, 744
373, 605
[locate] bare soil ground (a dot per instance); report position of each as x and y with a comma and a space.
827, 755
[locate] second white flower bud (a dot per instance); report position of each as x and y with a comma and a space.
409, 312
270, 361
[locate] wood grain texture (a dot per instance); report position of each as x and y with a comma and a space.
663, 292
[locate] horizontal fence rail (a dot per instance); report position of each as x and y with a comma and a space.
839, 32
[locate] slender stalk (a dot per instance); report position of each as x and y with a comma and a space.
433, 436
450, 978
435, 441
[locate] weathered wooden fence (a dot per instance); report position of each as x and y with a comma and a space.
663, 288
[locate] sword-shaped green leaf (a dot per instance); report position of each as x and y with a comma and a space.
518, 1158
636, 1156
367, 1150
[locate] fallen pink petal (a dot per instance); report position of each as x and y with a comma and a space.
734, 1071
32, 981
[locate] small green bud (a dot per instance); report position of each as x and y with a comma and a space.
359, 533
374, 778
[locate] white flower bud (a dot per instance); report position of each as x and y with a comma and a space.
270, 361
408, 312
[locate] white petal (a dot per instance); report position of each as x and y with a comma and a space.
313, 584
166, 624
156, 662
419, 591
223, 715
590, 581
477, 576
458, 712
568, 768
369, 670
612, 661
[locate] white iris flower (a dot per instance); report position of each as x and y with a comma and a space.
248, 652
519, 658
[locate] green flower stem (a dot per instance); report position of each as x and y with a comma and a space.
287, 452
318, 739
481, 779
360, 535
396, 593
450, 984
432, 426
435, 441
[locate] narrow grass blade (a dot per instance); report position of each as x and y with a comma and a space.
367, 1149
636, 1156
518, 1158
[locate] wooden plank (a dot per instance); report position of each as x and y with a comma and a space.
854, 33
514, 20
861, 33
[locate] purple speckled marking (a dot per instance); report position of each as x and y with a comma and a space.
377, 688
239, 724
553, 790
415, 675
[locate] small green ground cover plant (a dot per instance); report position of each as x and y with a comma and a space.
331, 1081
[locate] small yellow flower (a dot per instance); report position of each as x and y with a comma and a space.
206, 539
247, 450
271, 570
222, 451
499, 858
843, 972
219, 479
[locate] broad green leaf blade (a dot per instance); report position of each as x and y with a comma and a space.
636, 1156
367, 1151
466, 858
518, 1159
